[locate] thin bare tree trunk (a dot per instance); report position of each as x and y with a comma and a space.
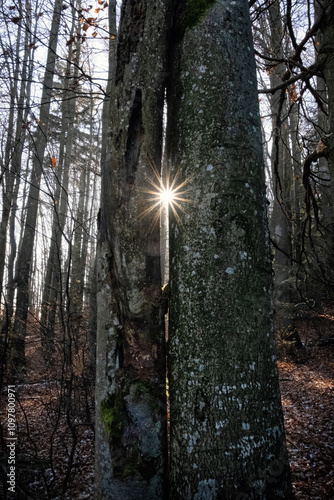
52, 284
280, 223
17, 345
12, 141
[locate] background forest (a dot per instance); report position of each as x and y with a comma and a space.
55, 60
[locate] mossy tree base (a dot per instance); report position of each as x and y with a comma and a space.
131, 415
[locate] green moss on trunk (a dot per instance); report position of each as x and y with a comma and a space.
196, 10
113, 415
226, 426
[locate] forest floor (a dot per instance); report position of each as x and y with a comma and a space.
307, 388
55, 450
54, 426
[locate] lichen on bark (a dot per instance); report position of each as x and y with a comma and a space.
226, 419
131, 462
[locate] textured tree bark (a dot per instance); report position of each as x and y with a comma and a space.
130, 374
227, 434
326, 56
91, 363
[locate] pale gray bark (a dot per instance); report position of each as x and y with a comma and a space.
227, 434
323, 127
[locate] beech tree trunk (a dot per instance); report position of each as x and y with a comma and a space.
226, 430
227, 434
326, 56
131, 432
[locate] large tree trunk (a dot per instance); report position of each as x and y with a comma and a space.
227, 434
17, 355
130, 379
326, 57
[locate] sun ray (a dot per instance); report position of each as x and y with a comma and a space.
165, 194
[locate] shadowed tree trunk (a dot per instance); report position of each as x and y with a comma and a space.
227, 434
280, 224
297, 194
130, 372
326, 57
